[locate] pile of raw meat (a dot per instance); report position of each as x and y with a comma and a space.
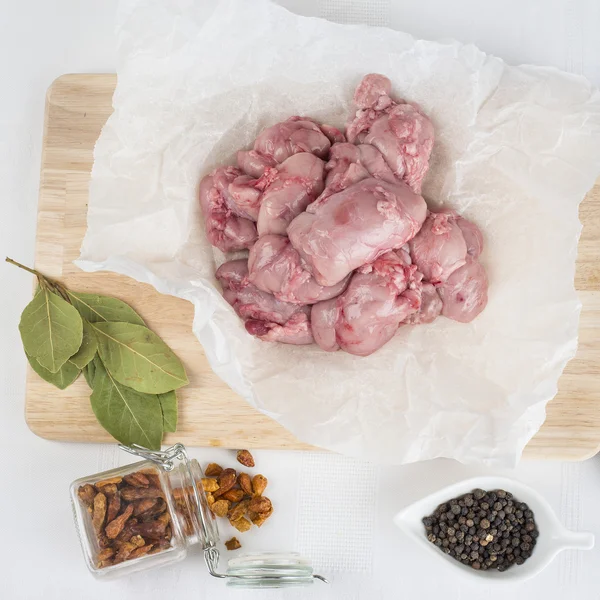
343, 249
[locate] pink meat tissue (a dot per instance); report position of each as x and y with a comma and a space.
361, 243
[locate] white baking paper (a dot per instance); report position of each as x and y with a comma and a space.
517, 148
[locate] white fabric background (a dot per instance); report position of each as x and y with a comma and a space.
39, 554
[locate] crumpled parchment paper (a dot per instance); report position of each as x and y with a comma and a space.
517, 148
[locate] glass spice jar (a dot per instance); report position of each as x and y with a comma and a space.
162, 511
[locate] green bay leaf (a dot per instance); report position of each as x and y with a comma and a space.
62, 379
51, 330
90, 370
100, 309
138, 358
168, 406
88, 348
129, 416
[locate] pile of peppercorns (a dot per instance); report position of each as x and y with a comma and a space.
484, 530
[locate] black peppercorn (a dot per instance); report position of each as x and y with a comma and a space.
484, 530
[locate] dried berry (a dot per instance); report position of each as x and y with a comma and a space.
105, 554
127, 532
233, 495
86, 494
137, 480
245, 458
238, 511
260, 504
138, 493
227, 480
259, 483
245, 483
138, 541
152, 476
233, 544
101, 484
220, 508
153, 530
158, 509
114, 528
242, 524
124, 552
141, 551
213, 470
141, 506
114, 506
160, 546
209, 485
99, 512
109, 489
259, 519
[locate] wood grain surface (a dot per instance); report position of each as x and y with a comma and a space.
77, 106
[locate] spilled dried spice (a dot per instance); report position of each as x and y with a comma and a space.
237, 497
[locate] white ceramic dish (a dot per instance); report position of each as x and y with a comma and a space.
553, 536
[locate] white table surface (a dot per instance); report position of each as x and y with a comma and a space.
346, 527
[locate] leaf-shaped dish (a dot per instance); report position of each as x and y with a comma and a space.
553, 537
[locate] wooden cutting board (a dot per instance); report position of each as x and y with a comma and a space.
77, 107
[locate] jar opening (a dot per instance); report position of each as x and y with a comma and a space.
196, 520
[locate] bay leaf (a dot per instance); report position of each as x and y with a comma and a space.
90, 370
100, 309
62, 379
88, 348
129, 416
168, 406
138, 358
51, 330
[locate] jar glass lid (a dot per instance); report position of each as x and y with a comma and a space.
270, 569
